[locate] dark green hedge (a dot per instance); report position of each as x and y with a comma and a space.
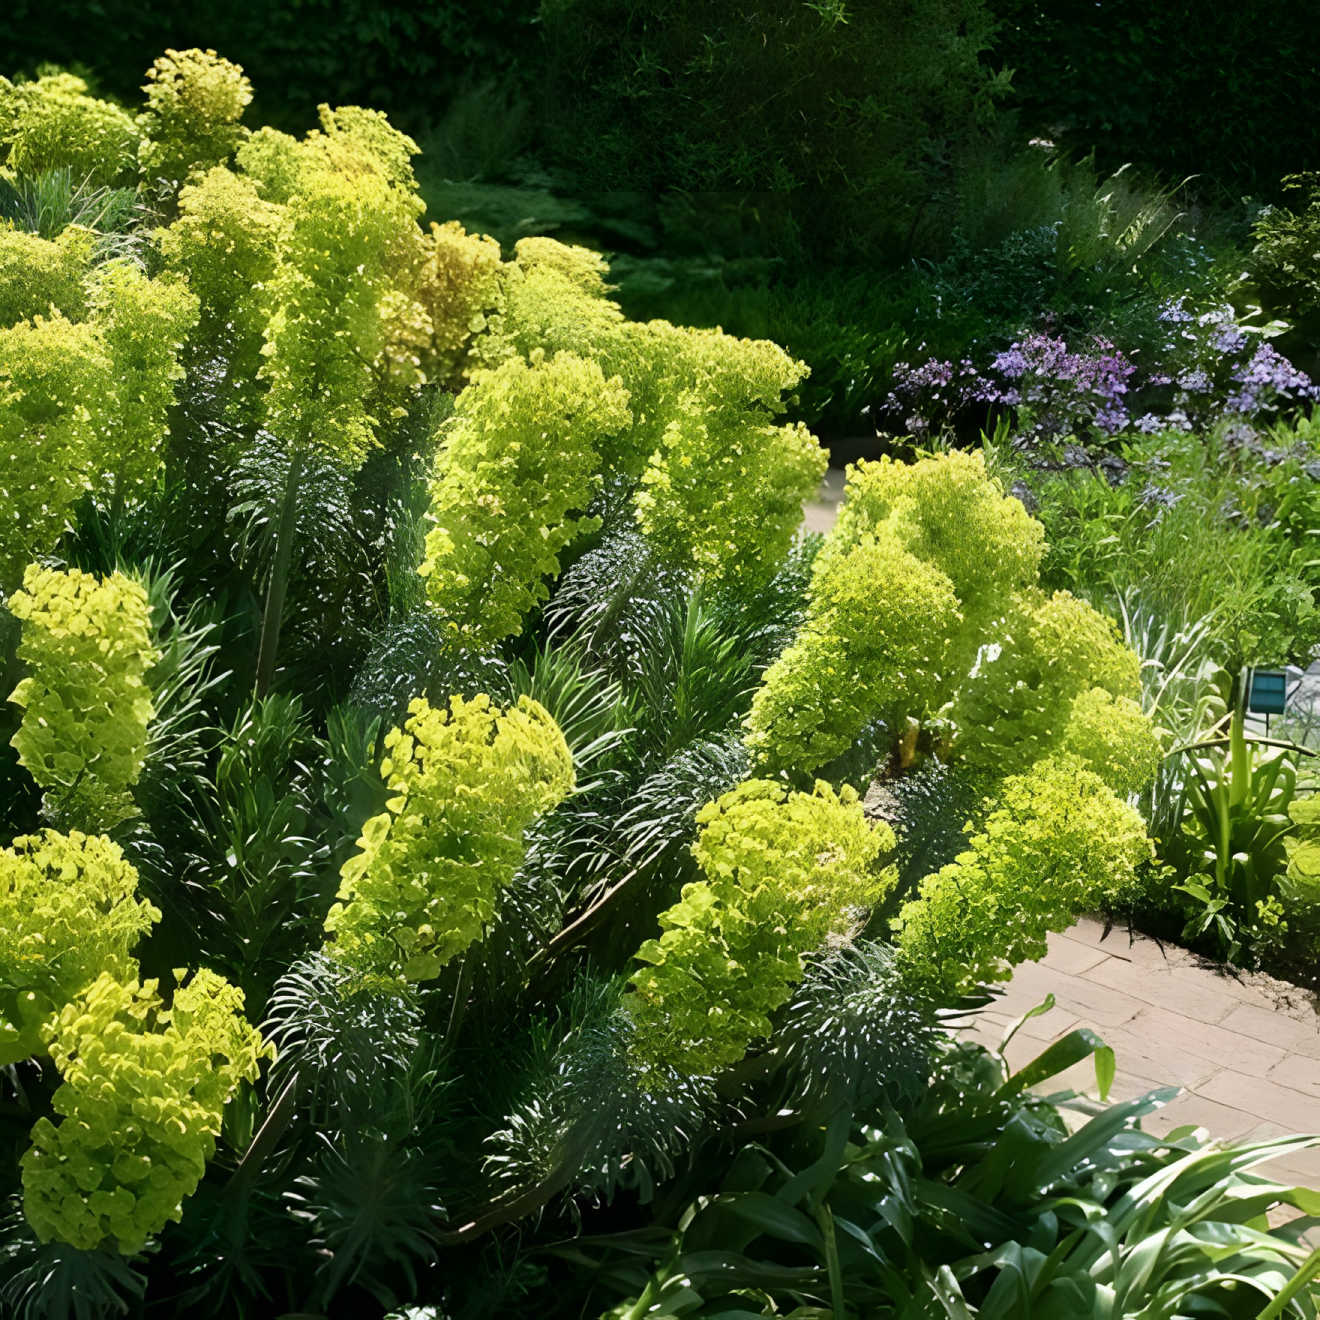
1226, 89
403, 56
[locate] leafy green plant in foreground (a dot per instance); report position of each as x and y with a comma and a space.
980, 1199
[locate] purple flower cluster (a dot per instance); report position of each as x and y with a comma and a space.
1264, 380
1209, 370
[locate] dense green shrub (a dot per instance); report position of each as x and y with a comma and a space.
405, 59
418, 823
1185, 88
848, 116
1283, 259
52, 123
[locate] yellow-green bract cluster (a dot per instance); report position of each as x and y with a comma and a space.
194, 101
522, 460
466, 782
83, 402
923, 602
69, 911
692, 421
782, 873
140, 1105
143, 1088
87, 646
1057, 842
52, 123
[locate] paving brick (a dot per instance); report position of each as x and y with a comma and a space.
1161, 1028
1220, 1120
1186, 990
1089, 1001
1300, 1168
1300, 1072
1264, 1098
1276, 1028
1140, 950
1072, 956
1155, 1055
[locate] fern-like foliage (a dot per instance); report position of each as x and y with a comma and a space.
852, 1037
50, 1280
591, 1120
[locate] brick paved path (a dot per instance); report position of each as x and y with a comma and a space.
1245, 1051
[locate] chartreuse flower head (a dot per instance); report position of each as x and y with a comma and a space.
86, 645
467, 782
520, 462
69, 911
195, 100
143, 1092
1056, 842
52, 372
924, 601
783, 872
52, 123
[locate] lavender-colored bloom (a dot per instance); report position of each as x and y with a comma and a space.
1174, 311
1194, 382
1149, 423
1012, 363
1228, 340
1265, 374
